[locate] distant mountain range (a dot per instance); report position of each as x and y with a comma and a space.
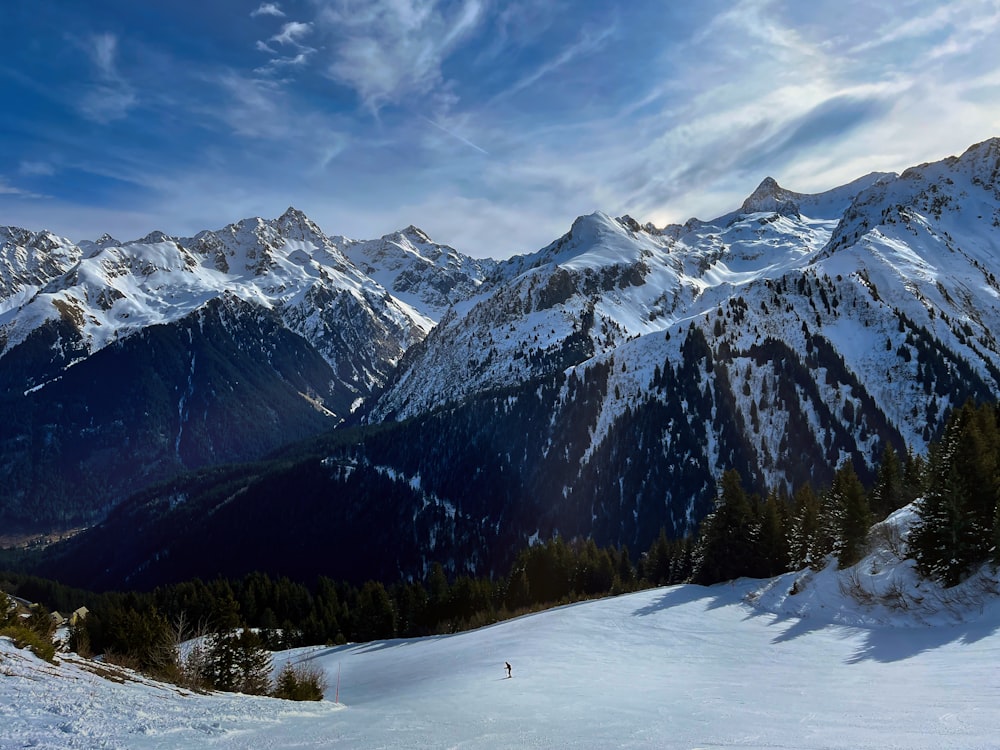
596, 387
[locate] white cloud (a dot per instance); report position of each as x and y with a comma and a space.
111, 96
268, 9
104, 103
278, 64
291, 33
39, 168
388, 50
7, 189
588, 42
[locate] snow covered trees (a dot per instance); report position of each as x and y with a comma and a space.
238, 662
958, 514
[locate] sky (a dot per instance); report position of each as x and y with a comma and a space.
490, 125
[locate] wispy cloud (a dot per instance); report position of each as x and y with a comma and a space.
589, 41
36, 168
455, 135
268, 9
110, 97
388, 50
7, 189
291, 33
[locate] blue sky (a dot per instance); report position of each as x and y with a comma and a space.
490, 125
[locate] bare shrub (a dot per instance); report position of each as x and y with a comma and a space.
889, 537
851, 586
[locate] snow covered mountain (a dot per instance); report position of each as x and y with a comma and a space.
234, 341
597, 387
879, 296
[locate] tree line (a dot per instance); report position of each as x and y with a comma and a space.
956, 490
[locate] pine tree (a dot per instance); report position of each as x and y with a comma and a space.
237, 661
771, 537
887, 494
804, 529
957, 526
855, 515
725, 546
938, 540
374, 617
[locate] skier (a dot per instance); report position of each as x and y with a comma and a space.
507, 663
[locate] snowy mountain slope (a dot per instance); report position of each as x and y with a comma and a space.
63, 304
628, 366
226, 383
28, 260
286, 264
427, 276
747, 664
891, 320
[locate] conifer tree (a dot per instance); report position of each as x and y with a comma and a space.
655, 563
938, 542
957, 526
771, 537
804, 529
914, 469
374, 617
854, 514
237, 661
725, 545
888, 494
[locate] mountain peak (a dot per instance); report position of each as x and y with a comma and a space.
154, 237
106, 240
292, 214
413, 232
983, 161
770, 196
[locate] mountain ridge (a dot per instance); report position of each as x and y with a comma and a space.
599, 386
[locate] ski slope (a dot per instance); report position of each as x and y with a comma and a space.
678, 667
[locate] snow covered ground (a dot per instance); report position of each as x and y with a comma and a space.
741, 665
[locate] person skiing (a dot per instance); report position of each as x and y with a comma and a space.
507, 664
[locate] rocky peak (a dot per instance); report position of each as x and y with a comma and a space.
155, 237
770, 196
413, 233
629, 223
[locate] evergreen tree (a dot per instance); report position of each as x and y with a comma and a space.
374, 617
655, 564
771, 537
237, 661
804, 529
914, 469
888, 492
957, 526
8, 610
938, 540
725, 545
854, 515
977, 459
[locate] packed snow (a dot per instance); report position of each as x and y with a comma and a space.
870, 657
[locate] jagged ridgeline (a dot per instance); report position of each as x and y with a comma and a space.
599, 387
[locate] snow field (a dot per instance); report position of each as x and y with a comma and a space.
677, 667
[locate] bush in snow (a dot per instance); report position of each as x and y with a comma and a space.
24, 637
300, 682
